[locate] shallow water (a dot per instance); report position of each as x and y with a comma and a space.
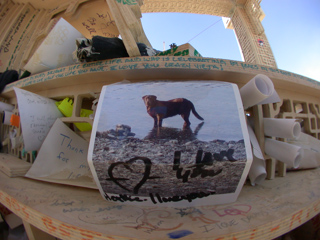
214, 101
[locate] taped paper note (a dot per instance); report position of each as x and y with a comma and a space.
15, 120
282, 128
37, 115
63, 158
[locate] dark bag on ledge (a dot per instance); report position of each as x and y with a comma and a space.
102, 48
7, 77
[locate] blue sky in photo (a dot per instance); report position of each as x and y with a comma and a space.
214, 101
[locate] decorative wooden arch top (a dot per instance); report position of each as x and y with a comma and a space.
243, 16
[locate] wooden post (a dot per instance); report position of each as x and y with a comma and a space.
121, 22
73, 5
282, 169
271, 168
34, 233
127, 18
258, 125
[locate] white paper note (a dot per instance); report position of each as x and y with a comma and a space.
37, 115
56, 49
62, 157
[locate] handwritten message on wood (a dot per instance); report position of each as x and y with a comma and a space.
95, 20
159, 62
6, 9
265, 211
14, 36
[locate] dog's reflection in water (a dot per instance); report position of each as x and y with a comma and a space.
185, 134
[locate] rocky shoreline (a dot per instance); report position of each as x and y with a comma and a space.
171, 166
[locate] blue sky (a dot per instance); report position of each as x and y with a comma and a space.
292, 28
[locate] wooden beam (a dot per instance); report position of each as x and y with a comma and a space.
123, 23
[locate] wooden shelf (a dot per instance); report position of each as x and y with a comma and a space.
261, 212
92, 76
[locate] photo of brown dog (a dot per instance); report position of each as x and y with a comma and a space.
159, 110
172, 156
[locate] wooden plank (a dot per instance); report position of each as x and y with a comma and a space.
73, 6
17, 60
13, 166
30, 37
76, 105
271, 168
132, 15
7, 15
258, 125
43, 29
122, 25
15, 33
93, 18
34, 233
5, 8
282, 169
45, 24
156, 67
263, 212
10, 18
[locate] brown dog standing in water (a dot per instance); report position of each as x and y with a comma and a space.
159, 110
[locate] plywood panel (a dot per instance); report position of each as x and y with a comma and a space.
262, 212
14, 35
93, 18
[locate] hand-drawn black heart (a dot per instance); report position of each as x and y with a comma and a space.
147, 169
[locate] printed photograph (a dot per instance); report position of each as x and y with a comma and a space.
169, 139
